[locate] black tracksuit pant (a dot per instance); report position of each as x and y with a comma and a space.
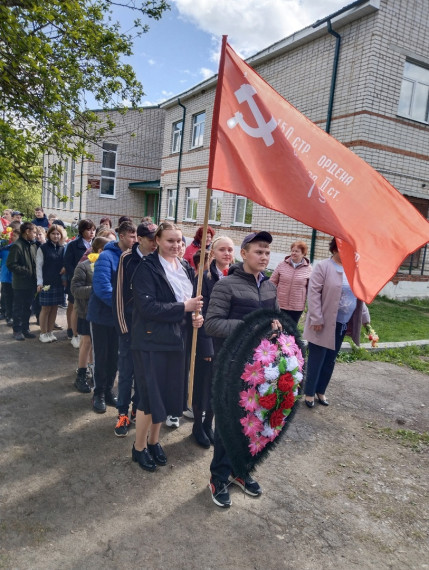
105, 347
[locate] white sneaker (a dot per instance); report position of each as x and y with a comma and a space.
53, 337
172, 421
44, 337
75, 341
188, 413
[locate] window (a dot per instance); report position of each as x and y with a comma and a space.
414, 98
243, 211
215, 207
177, 136
191, 204
66, 180
108, 170
73, 177
198, 129
171, 204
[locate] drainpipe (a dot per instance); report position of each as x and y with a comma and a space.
330, 107
81, 188
180, 159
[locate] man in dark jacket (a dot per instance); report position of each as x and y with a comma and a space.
246, 289
122, 314
40, 218
100, 315
22, 263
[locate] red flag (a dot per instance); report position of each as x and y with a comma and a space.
266, 150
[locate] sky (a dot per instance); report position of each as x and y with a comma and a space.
182, 49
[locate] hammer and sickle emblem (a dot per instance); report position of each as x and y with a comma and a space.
264, 129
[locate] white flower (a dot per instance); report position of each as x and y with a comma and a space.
295, 392
292, 363
298, 376
258, 414
46, 288
263, 388
268, 431
271, 373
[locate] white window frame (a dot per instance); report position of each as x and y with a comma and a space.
171, 203
198, 122
216, 199
241, 222
412, 88
191, 204
108, 173
176, 137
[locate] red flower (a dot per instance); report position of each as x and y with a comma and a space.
288, 401
276, 418
268, 402
286, 382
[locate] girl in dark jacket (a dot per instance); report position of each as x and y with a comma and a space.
162, 290
49, 263
222, 254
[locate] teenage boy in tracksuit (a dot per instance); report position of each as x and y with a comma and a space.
243, 291
103, 332
122, 314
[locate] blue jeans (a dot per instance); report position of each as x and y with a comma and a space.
321, 362
126, 376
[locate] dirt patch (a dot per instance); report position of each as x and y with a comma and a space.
339, 491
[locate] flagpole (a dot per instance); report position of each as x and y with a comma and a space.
199, 287
213, 143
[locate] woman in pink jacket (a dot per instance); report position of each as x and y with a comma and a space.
291, 279
333, 310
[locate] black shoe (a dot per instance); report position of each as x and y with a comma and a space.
157, 453
28, 334
248, 485
200, 436
80, 383
219, 491
69, 334
309, 404
58, 327
18, 336
144, 459
208, 430
99, 403
324, 402
121, 427
9, 322
110, 398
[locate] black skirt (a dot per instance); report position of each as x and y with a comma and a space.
160, 380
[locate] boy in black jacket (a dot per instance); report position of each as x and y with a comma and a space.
246, 289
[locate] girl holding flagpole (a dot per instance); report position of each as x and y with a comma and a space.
162, 290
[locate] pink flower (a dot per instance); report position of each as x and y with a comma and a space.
248, 400
257, 444
287, 342
251, 425
266, 352
300, 359
253, 374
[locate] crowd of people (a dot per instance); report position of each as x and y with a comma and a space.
132, 305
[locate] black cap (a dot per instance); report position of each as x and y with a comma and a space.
257, 236
17, 213
147, 229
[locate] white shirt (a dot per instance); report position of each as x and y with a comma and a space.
178, 279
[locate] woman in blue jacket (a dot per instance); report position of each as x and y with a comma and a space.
163, 301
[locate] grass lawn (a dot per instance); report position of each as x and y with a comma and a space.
399, 320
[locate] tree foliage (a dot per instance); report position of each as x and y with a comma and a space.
52, 54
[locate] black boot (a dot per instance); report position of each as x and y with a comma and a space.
197, 429
80, 383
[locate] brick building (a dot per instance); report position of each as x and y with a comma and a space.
122, 179
380, 111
